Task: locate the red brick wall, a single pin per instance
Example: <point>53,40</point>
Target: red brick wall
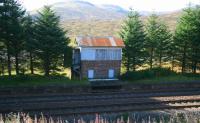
<point>100,68</point>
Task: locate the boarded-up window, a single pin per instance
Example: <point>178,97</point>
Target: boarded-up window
<point>108,54</point>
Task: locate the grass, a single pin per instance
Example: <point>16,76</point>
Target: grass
<point>147,76</point>
<point>159,76</point>
<point>136,117</point>
<point>38,80</point>
<point>167,79</point>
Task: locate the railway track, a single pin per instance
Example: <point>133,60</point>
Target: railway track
<point>89,103</point>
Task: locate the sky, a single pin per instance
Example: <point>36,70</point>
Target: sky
<point>139,5</point>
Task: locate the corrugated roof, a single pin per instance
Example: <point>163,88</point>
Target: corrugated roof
<point>99,42</point>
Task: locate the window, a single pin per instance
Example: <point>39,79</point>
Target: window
<point>108,54</point>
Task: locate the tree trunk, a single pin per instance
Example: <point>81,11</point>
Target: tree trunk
<point>2,68</point>
<point>160,59</point>
<point>195,62</point>
<point>194,70</point>
<point>134,65</point>
<point>128,64</point>
<point>151,58</point>
<point>172,63</point>
<point>9,61</point>
<point>16,63</point>
<point>31,63</point>
<point>47,70</point>
<point>1,71</point>
<point>184,59</point>
<point>46,66</point>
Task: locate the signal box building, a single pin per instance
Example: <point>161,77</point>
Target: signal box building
<point>97,58</point>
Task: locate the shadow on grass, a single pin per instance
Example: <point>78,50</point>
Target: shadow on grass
<point>37,80</point>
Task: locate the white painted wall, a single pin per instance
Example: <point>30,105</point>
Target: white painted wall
<point>95,53</point>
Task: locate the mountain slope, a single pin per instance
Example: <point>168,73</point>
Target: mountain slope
<point>76,9</point>
<point>111,27</point>
<point>84,18</point>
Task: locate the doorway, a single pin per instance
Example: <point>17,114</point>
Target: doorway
<point>111,73</point>
<point>90,74</point>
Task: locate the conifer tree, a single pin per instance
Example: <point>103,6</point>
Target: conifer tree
<point>195,40</point>
<point>50,40</point>
<point>158,41</point>
<point>2,58</point>
<point>29,40</point>
<point>172,53</point>
<point>151,38</point>
<point>5,33</point>
<point>132,33</point>
<point>188,40</point>
<point>17,40</point>
<point>12,30</point>
<point>1,41</point>
<point>163,45</point>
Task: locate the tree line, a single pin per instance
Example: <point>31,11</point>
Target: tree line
<point>153,44</point>
<point>28,43</point>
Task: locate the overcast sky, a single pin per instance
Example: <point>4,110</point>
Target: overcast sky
<point>139,5</point>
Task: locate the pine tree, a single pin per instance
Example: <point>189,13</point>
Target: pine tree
<point>4,35</point>
<point>133,35</point>
<point>17,40</point>
<point>158,41</point>
<point>1,41</point>
<point>163,45</point>
<point>11,26</point>
<point>2,58</point>
<point>172,53</point>
<point>151,38</point>
<point>188,40</point>
<point>29,40</point>
<point>195,39</point>
<point>50,40</point>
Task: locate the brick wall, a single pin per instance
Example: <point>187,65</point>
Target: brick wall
<point>100,68</point>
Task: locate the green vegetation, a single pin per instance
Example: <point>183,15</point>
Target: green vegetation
<point>41,44</point>
<point>187,40</point>
<point>133,35</point>
<point>27,44</point>
<point>158,41</point>
<point>158,75</point>
<point>11,36</point>
<point>38,80</point>
<point>50,41</point>
<point>180,50</point>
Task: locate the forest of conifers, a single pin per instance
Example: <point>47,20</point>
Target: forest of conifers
<point>29,44</point>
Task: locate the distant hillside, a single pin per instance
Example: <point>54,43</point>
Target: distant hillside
<point>110,27</point>
<point>84,18</point>
<point>81,10</point>
<point>171,19</point>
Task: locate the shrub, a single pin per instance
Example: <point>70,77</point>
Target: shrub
<point>146,74</point>
<point>191,75</point>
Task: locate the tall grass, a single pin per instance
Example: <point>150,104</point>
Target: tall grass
<point>177,117</point>
<point>158,75</point>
